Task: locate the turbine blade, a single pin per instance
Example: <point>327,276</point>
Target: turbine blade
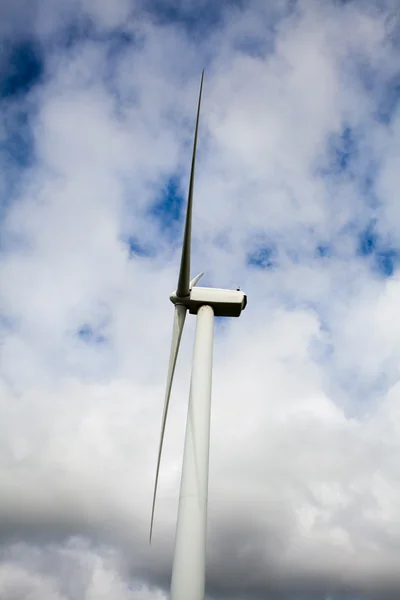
<point>195,280</point>
<point>182,289</point>
<point>179,321</point>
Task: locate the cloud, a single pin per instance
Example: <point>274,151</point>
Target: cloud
<point>73,570</point>
<point>295,200</point>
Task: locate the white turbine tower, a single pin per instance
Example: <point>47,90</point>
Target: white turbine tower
<point>188,571</point>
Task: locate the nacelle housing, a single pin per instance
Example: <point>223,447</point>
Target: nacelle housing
<point>225,303</point>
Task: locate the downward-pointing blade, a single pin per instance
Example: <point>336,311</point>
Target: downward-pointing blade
<point>179,321</point>
<point>182,289</point>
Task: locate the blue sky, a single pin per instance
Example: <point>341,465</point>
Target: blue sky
<point>295,201</point>
<point>24,69</point>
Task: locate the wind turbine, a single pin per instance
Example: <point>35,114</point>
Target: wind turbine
<point>188,571</point>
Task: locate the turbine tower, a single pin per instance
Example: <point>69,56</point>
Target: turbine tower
<point>188,571</point>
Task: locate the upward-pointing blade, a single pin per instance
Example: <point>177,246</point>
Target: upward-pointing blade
<point>179,321</point>
<point>182,289</point>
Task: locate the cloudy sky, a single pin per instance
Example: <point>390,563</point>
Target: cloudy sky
<point>296,201</point>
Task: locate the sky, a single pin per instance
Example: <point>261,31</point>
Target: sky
<point>296,201</point>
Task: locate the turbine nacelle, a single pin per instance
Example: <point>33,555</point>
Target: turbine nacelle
<point>225,303</point>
